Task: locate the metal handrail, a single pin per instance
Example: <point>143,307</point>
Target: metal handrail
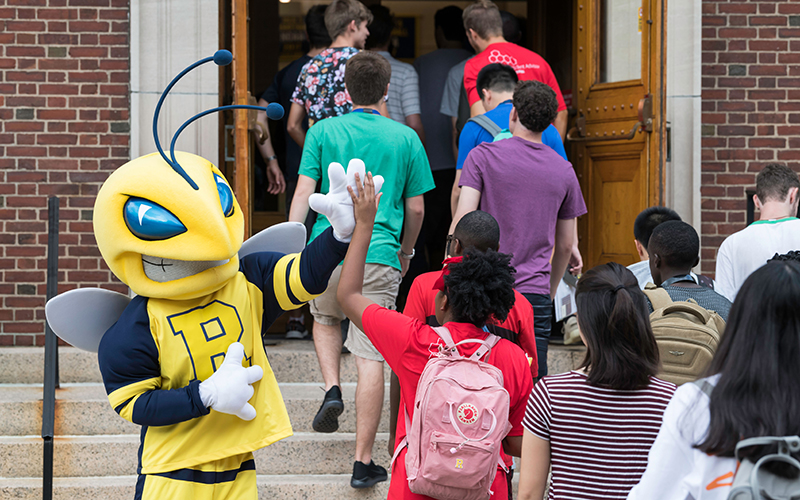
<point>51,382</point>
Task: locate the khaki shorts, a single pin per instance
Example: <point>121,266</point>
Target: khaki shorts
<point>381,284</point>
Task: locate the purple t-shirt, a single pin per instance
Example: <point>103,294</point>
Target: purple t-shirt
<point>526,186</point>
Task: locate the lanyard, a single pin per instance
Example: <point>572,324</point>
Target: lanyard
<point>364,110</point>
<point>675,279</point>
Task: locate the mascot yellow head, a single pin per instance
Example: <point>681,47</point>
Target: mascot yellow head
<point>170,227</point>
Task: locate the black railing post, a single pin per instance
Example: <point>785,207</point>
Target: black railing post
<point>50,353</point>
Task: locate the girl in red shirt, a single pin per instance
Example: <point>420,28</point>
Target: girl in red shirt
<point>471,292</point>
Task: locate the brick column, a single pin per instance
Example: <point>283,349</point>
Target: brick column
<point>751,107</point>
<point>64,126</point>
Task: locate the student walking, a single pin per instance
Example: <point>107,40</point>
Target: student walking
<point>471,291</point>
<point>753,392</point>
<point>394,151</point>
<point>595,425</point>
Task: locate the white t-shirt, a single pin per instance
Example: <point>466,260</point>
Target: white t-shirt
<point>745,251</point>
<point>675,469</point>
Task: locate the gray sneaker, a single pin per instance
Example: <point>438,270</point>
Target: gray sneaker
<point>295,330</point>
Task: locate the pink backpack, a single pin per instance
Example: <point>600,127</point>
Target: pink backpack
<point>460,420</point>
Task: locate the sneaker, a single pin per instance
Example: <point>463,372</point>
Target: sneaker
<point>367,475</point>
<point>295,329</point>
<point>327,419</point>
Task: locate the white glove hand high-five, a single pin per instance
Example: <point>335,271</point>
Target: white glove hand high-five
<point>229,389</point>
<point>337,205</point>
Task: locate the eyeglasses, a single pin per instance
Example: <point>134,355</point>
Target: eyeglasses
<point>449,239</point>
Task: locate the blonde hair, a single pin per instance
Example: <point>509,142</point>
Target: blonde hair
<point>339,14</point>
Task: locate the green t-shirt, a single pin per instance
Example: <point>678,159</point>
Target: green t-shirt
<point>387,148</point>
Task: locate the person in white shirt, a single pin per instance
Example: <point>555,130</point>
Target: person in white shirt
<point>776,231</point>
<point>643,226</point>
<point>403,98</point>
<point>753,392</point>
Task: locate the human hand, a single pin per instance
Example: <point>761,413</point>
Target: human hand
<point>337,205</point>
<point>575,261</point>
<point>275,181</point>
<point>404,264</point>
<point>365,202</point>
<point>230,388</point>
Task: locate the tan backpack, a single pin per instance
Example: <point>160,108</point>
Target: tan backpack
<point>686,333</point>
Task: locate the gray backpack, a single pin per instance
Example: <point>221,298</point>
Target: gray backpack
<point>752,480</point>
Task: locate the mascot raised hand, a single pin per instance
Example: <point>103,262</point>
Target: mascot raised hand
<point>184,358</point>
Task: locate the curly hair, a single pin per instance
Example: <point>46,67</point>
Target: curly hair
<point>480,286</point>
<point>536,105</point>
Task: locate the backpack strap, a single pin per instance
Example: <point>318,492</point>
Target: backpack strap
<point>659,298</point>
<point>486,345</point>
<point>704,386</point>
<point>487,124</point>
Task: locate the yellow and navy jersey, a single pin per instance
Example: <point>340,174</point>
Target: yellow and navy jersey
<point>155,356</point>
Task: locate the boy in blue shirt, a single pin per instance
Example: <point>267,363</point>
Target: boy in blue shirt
<point>495,83</point>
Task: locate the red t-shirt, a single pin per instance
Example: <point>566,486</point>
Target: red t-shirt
<point>518,326</point>
<point>407,344</point>
<point>529,66</point>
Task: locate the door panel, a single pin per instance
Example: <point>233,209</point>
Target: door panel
<point>617,187</point>
<point>617,137</point>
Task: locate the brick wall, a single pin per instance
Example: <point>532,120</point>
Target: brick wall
<point>751,106</point>
<point>64,125</point>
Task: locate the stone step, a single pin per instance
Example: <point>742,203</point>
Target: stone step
<point>83,409</point>
<point>292,361</point>
<point>82,456</point>
<point>285,487</point>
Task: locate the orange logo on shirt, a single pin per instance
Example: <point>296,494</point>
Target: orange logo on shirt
<point>718,482</point>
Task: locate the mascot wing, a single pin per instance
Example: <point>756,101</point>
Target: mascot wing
<point>82,316</point>
<point>286,237</point>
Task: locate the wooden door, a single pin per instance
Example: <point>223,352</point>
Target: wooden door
<point>618,138</point>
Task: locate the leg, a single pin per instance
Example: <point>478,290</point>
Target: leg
<point>369,403</point>
<point>542,320</point>
<point>394,410</point>
<point>328,344</point>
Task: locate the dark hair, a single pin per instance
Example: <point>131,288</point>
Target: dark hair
<point>757,393</point>
<point>677,243</point>
<point>478,229</point>
<point>366,76</point>
<point>480,286</point>
<point>511,30</point>
<point>449,18</point>
<point>791,255</point>
<point>340,13</point>
<point>315,27</point>
<point>621,351</point>
<point>774,182</point>
<point>380,29</point>
<point>483,17</point>
<point>536,105</point>
<point>497,78</point>
<point>648,219</point>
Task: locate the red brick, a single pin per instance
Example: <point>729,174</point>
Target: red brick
<point>25,76</point>
<point>776,70</point>
<point>789,32</point>
<point>735,130</point>
<point>57,14</point>
<point>767,20</point>
<point>768,45</point>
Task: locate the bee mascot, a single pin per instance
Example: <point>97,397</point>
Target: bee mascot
<point>184,358</point>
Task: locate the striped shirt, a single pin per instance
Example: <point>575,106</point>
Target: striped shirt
<point>403,90</point>
<point>599,438</point>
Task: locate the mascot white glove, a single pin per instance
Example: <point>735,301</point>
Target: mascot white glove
<point>229,389</point>
<point>337,205</point>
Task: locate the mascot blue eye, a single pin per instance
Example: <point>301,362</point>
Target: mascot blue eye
<point>225,195</point>
<point>150,221</point>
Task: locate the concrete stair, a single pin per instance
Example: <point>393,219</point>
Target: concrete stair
<point>96,451</point>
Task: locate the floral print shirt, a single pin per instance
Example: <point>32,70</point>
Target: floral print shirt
<point>320,86</point>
